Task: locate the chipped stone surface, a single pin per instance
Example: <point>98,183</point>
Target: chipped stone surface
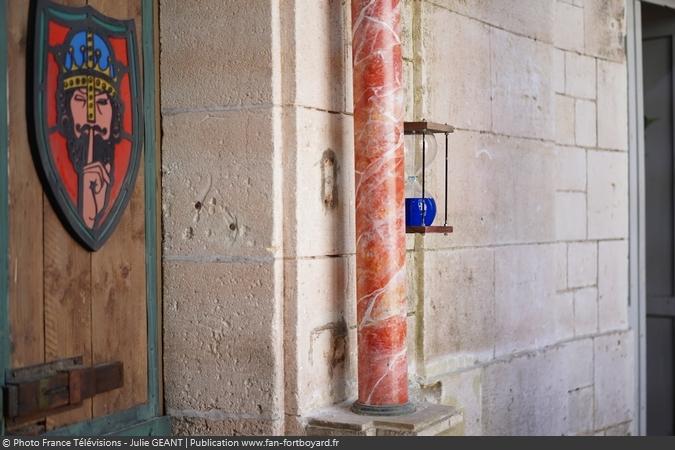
<point>222,367</point>
<point>216,200</point>
<point>605,27</point>
<point>329,367</point>
<point>218,348</point>
<point>325,343</point>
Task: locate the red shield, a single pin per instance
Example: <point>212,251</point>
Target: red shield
<point>87,116</point>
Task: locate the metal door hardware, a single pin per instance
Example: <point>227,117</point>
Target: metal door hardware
<point>38,391</point>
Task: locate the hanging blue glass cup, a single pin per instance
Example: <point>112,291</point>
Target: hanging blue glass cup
<point>420,211</point>
<point>420,207</point>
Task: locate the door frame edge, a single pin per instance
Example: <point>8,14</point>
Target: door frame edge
<point>4,212</point>
<point>153,232</point>
<point>637,299</point>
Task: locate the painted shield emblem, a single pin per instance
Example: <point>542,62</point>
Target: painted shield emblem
<point>87,116</point>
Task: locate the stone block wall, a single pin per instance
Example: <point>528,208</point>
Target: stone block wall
<point>320,314</point>
<point>524,308</point>
<point>222,252</point>
<point>519,318</point>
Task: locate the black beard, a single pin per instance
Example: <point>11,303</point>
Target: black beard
<point>104,150</point>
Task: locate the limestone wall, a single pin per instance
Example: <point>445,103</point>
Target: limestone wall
<point>522,314</point>
<point>222,250</point>
<point>519,318</point>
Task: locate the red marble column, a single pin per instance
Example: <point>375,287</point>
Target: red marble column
<point>380,228</point>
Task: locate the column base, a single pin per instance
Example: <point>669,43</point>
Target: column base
<point>383,410</point>
<point>427,420</point>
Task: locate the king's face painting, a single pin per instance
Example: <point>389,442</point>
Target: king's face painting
<point>87,116</point>
<point>86,120</point>
<point>103,113</point>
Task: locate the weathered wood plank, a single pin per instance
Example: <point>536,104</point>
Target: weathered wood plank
<point>25,207</point>
<point>67,285</point>
<point>119,320</point>
<point>119,313</point>
<point>67,294</point>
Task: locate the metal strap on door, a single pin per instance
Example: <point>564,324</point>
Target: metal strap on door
<point>37,391</point>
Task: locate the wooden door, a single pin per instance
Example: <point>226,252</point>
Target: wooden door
<point>61,300</point>
<point>659,88</point>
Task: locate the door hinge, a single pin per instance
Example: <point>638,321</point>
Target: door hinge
<point>38,391</point>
